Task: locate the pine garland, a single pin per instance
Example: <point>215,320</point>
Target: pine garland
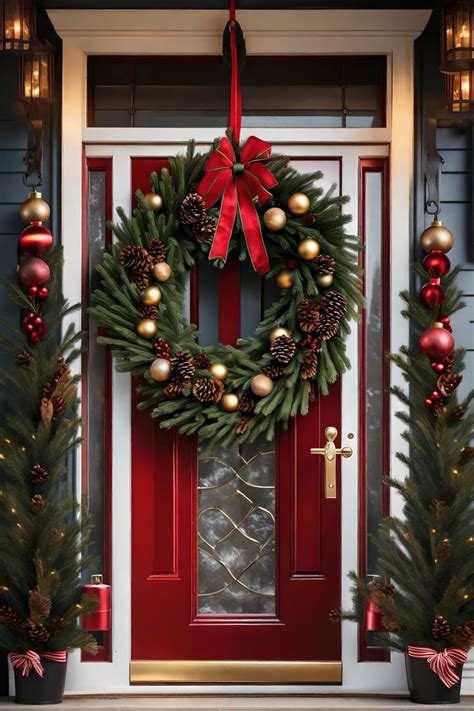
<point>180,226</point>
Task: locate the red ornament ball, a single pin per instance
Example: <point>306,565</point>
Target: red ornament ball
<point>35,239</point>
<point>435,395</point>
<point>432,295</point>
<point>436,264</point>
<point>43,292</point>
<point>438,367</point>
<point>428,402</point>
<point>34,272</point>
<point>436,342</point>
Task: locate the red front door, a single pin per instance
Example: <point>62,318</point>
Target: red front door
<point>236,554</point>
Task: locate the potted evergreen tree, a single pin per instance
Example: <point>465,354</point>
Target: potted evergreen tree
<point>43,532</point>
<point>425,609</point>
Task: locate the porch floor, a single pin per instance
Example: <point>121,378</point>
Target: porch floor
<point>236,703</point>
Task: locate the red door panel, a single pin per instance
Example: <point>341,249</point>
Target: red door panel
<point>165,620</point>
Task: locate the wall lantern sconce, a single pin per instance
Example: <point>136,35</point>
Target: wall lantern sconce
<point>17,25</point>
<point>36,92</point>
<point>459,89</point>
<point>457,36</point>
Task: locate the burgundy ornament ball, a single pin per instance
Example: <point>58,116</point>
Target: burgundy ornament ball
<point>432,295</point>
<point>436,342</point>
<point>436,264</point>
<point>34,272</point>
<point>35,239</point>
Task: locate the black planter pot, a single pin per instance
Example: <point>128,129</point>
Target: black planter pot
<point>426,687</point>
<point>48,689</point>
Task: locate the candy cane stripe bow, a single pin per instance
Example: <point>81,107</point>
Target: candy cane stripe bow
<point>441,663</point>
<point>32,660</point>
<point>240,183</point>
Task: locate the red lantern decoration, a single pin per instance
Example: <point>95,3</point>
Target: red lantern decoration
<point>34,272</point>
<point>432,295</point>
<point>100,620</point>
<point>35,239</point>
<point>436,342</point>
<point>436,264</point>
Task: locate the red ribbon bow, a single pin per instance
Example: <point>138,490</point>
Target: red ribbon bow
<point>441,663</point>
<point>32,660</point>
<point>240,183</point>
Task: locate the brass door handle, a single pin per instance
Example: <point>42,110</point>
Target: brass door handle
<point>330,452</point>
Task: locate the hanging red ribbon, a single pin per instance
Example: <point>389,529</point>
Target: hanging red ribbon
<point>32,660</point>
<point>441,663</point>
<point>239,183</point>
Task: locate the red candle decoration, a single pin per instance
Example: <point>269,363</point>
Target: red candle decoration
<point>436,264</point>
<point>100,620</point>
<point>436,342</point>
<point>35,239</point>
<point>373,617</point>
<point>34,272</point>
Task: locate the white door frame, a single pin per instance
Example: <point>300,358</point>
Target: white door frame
<point>389,32</point>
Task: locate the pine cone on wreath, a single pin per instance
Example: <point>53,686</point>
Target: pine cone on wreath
<point>157,250</point>
<point>324,264</point>
<point>247,404</point>
<point>24,359</point>
<point>309,366</point>
<point>464,635</point>
<point>335,615</point>
<point>447,384</point>
<point>175,388</point>
<point>307,314</point>
<point>137,263</point>
<point>39,474</point>
<point>37,633</point>
<point>148,311</point>
<point>204,389</point>
<point>202,361</point>
<point>182,366</point>
<point>273,371</point>
<point>437,407</point>
<point>310,219</point>
<point>57,623</point>
<point>204,229</point>
<point>40,606</point>
<point>457,414</point>
<point>192,209</point>
<point>161,348</point>
<point>440,628</point>
<point>331,309</point>
<point>243,425</point>
<point>283,349</point>
<point>9,617</point>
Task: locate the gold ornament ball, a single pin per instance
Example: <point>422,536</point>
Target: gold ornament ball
<point>230,402</point>
<point>436,237</point>
<point>161,271</point>
<point>277,332</point>
<point>154,201</point>
<point>160,369</point>
<point>146,328</point>
<point>219,371</point>
<point>274,219</point>
<point>34,208</point>
<point>285,279</point>
<point>261,385</point>
<point>324,280</point>
<point>308,248</point>
<point>150,296</point>
<point>298,203</point>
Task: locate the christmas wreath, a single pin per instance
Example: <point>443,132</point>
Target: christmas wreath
<point>244,201</point>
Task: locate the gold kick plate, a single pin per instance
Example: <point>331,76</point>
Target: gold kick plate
<point>145,672</point>
<point>330,452</point>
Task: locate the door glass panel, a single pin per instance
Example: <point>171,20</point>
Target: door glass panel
<point>236,529</point>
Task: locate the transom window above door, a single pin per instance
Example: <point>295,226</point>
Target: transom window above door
<point>291,91</point>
